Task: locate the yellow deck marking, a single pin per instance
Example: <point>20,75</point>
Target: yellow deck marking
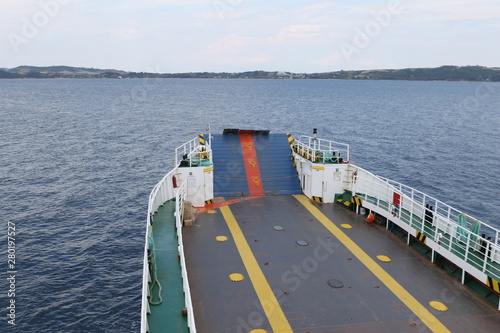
<point>418,309</point>
<point>384,258</point>
<point>236,277</point>
<point>270,304</point>
<point>221,238</point>
<point>438,306</point>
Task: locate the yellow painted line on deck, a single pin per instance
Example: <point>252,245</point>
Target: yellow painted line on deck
<point>268,300</point>
<point>418,309</point>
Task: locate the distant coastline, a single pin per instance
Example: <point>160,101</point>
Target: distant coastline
<point>443,73</point>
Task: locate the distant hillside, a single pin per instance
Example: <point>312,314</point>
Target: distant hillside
<point>53,69</point>
<point>4,74</point>
<point>443,73</point>
<point>63,72</point>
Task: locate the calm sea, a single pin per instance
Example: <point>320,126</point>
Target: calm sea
<point>78,159</point>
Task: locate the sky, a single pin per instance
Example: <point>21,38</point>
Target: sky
<point>301,36</point>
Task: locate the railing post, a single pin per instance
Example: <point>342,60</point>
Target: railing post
<point>453,229</point>
<point>467,246</point>
<point>486,256</point>
<point>436,235</point>
<point>412,207</point>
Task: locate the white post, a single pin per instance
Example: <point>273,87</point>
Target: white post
<point>411,206</point>
<point>453,231</point>
<point>486,255</point>
<point>467,247</point>
<point>209,135</point>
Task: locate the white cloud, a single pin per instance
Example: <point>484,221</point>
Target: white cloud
<point>234,48</point>
<point>330,60</point>
<point>297,31</point>
<point>230,44</point>
<point>128,33</point>
<point>426,10</point>
<point>302,28</point>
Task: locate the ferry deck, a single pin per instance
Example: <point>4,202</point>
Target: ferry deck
<point>261,256</point>
<point>333,284</point>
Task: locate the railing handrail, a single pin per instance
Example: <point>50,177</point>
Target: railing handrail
<point>153,205</point>
<point>145,281</point>
<point>382,189</point>
<point>424,195</point>
<point>181,195</point>
<point>191,147</point>
<point>162,192</point>
<point>313,145</point>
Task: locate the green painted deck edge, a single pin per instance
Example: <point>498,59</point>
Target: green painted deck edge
<point>167,317</point>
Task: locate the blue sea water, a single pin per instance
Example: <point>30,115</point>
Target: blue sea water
<point>78,159</point>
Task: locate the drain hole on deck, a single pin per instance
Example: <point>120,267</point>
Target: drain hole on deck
<point>335,283</point>
<point>278,228</point>
<point>302,243</point>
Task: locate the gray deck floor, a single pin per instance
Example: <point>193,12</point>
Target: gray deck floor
<point>299,275</point>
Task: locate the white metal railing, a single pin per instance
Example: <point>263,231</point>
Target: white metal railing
<point>162,192</point>
<point>193,150</point>
<point>437,220</point>
<point>179,200</point>
<point>321,151</point>
<point>145,286</point>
